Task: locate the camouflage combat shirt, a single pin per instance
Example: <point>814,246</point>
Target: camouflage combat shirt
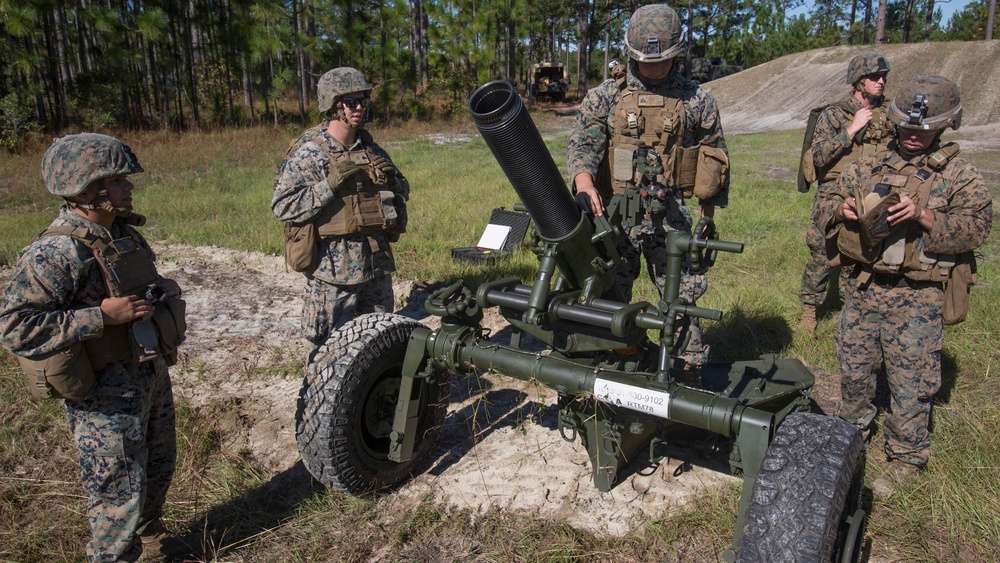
<point>830,140</point>
<point>959,199</point>
<point>302,191</point>
<point>54,300</point>
<point>593,131</point>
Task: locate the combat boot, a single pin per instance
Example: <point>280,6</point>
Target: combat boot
<point>897,472</point>
<point>807,322</point>
<point>159,543</point>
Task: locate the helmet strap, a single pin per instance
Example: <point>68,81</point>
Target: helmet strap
<point>101,202</point>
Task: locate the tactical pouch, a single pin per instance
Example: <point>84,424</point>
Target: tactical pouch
<point>712,167</point>
<point>686,170</point>
<point>849,244</point>
<point>394,205</point>
<point>301,246</point>
<point>369,216</point>
<point>957,290</point>
<point>807,171</point>
<point>115,345</point>
<point>170,324</point>
<point>63,374</point>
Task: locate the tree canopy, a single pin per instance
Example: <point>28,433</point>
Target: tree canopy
<point>216,63</point>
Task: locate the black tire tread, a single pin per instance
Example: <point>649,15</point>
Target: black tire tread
<point>812,467</point>
<point>333,391</point>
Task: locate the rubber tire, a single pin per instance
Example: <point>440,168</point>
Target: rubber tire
<point>811,480</point>
<point>344,443</point>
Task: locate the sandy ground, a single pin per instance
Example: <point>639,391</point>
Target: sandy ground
<point>499,448</point>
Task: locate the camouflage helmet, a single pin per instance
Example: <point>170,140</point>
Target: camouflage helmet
<point>73,162</point>
<point>339,82</point>
<point>927,102</point>
<point>864,64</point>
<point>654,34</point>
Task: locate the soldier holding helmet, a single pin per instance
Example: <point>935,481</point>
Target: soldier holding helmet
<point>648,107</point>
<point>903,222</point>
<point>92,322</point>
<point>336,179</point>
<point>844,132</point>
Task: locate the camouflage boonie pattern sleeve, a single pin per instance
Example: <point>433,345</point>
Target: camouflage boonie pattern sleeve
<point>302,189</point>
<point>830,140</point>
<point>54,297</point>
<point>593,130</point>
<point>588,143</point>
<point>963,210</point>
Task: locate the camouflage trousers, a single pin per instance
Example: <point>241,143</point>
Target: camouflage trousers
<point>649,241</point>
<point>329,306</point>
<point>816,276</point>
<point>128,451</point>
<point>901,328</point>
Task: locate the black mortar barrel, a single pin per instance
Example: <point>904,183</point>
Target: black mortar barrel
<point>508,130</point>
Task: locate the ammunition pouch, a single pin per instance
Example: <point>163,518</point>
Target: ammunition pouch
<point>301,246</point>
<point>711,165</point>
<point>63,374</point>
<point>366,213</point>
<point>958,289</point>
<point>115,345</point>
<point>850,245</point>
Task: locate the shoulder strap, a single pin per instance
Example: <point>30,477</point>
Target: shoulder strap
<point>941,157</point>
<point>82,234</point>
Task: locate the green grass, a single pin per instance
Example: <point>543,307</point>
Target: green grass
<point>215,188</point>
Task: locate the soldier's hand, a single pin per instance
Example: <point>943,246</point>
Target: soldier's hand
<point>848,210</point>
<point>908,209</point>
<point>382,172</point>
<point>120,310</point>
<point>585,185</point>
<point>341,170</point>
<point>861,118</point>
<point>384,164</point>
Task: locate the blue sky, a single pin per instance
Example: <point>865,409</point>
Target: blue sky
<point>947,7</point>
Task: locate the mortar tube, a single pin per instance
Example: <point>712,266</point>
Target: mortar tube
<point>508,130</point>
<point>694,407</point>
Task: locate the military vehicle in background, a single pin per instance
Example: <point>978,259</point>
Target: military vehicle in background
<point>705,69</point>
<point>548,81</point>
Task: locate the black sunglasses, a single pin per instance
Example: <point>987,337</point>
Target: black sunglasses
<point>355,101</point>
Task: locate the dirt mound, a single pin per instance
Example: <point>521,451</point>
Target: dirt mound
<point>779,94</point>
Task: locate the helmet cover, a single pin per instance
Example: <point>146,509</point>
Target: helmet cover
<point>865,64</point>
<point>73,162</point>
<point>340,82</point>
<point>654,34</point>
<point>927,102</point>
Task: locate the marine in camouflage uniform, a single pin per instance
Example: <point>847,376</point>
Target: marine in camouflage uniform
<point>893,300</point>
<point>844,131</point>
<point>594,133</point>
<point>124,430</point>
<point>353,274</point>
